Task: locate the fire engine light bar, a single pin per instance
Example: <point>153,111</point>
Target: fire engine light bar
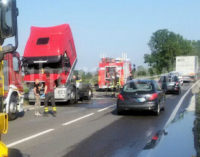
<point>40,61</point>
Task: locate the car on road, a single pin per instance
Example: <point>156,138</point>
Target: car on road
<point>141,95</point>
<point>179,75</point>
<point>170,84</point>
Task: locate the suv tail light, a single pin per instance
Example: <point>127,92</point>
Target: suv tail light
<point>155,138</point>
<point>153,96</point>
<point>120,97</point>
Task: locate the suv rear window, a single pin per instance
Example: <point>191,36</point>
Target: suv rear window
<point>173,79</point>
<point>163,79</point>
<point>138,86</point>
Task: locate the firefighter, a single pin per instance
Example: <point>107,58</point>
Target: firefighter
<point>118,83</point>
<point>49,95</point>
<point>130,77</point>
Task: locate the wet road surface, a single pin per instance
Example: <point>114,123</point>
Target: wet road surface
<point>89,129</point>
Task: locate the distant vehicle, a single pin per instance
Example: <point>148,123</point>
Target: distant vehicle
<point>113,73</point>
<point>52,50</point>
<point>188,67</point>
<point>141,95</point>
<point>170,83</point>
<point>179,75</point>
<point>84,90</point>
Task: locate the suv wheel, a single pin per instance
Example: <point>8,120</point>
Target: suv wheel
<point>119,111</point>
<point>178,92</point>
<point>157,111</point>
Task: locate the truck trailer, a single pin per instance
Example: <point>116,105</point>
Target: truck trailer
<point>52,50</point>
<point>113,73</point>
<point>188,67</point>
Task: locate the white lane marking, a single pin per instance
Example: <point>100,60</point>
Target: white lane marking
<point>30,137</point>
<point>172,116</point>
<point>75,120</point>
<point>105,108</point>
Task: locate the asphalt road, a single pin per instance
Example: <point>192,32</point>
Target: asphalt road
<point>90,129</point>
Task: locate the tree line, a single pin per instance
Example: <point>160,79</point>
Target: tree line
<point>165,45</point>
<point>87,77</point>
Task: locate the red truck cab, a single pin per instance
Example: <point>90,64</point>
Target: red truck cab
<point>49,48</point>
<point>52,50</point>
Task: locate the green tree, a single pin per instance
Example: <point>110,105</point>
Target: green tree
<point>87,77</point>
<point>165,46</point>
<point>196,48</point>
<point>141,71</point>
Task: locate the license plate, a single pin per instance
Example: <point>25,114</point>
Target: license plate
<point>141,99</point>
<point>171,84</point>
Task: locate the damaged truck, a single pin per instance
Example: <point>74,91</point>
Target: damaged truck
<point>52,50</point>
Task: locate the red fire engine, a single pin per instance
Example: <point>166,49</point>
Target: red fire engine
<point>12,84</point>
<point>113,73</point>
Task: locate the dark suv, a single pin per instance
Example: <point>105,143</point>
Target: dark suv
<point>170,83</point>
<point>141,95</point>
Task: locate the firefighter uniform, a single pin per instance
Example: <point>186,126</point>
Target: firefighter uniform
<point>49,95</point>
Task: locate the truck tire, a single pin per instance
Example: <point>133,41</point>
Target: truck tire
<point>89,96</point>
<point>12,110</point>
<point>73,96</point>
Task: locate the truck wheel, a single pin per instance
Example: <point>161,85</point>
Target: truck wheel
<point>12,110</point>
<point>73,96</point>
<point>89,95</point>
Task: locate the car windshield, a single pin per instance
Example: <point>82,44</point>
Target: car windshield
<point>138,86</point>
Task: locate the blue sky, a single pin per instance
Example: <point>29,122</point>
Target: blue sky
<point>110,27</point>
